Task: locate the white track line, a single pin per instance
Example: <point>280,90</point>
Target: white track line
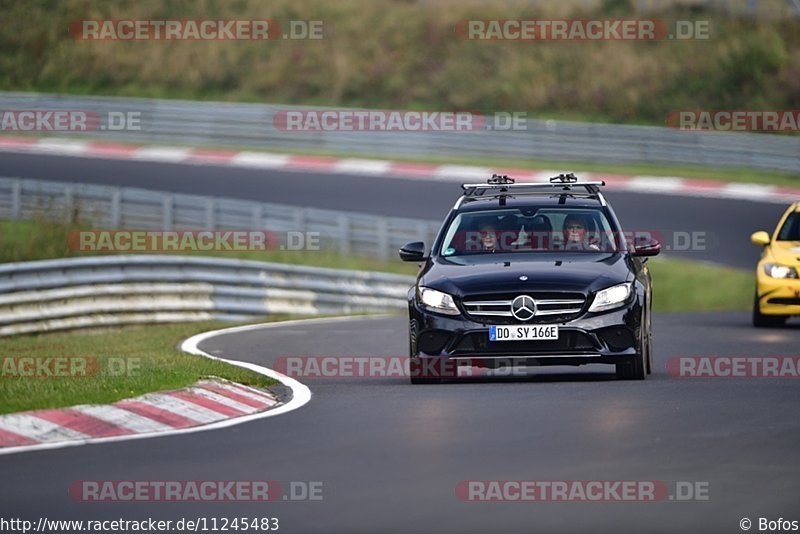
<point>165,154</point>
<point>653,185</point>
<point>301,395</point>
<point>261,160</point>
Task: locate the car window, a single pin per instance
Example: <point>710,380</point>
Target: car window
<point>527,230</point>
<point>790,231</point>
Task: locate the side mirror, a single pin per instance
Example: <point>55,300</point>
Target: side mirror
<point>651,247</point>
<point>413,251</point>
<point>760,238</point>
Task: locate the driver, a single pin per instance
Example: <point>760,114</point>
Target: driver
<point>576,236</point>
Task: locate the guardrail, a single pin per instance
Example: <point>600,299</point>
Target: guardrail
<point>141,209</point>
<point>113,290</point>
<point>251,125</point>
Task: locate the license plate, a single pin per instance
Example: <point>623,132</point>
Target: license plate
<point>523,333</point>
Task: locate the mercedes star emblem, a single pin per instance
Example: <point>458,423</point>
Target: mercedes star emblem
<point>523,308</point>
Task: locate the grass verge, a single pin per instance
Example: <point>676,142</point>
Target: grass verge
<point>683,286</point>
<point>120,363</point>
<point>679,285</point>
<point>155,362</point>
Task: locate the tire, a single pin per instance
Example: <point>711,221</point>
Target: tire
<point>765,321</point>
<point>636,369</point>
<point>416,364</point>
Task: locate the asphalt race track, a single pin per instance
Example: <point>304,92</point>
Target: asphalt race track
<point>389,455</point>
<point>725,224</point>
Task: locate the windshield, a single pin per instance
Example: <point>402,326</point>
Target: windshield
<point>528,230</point>
<point>790,231</point>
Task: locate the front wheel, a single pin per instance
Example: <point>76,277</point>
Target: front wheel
<point>637,368</point>
<point>634,370</point>
<point>418,372</point>
<point>765,321</point>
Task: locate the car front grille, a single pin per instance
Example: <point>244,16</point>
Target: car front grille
<point>550,307</point>
<point>787,301</point>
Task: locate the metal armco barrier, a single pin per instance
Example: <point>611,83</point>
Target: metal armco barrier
<point>251,125</point>
<point>130,208</point>
<point>72,293</point>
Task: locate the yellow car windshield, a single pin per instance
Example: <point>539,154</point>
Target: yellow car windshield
<point>790,231</point>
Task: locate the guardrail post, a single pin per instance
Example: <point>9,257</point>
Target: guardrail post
<point>299,219</point>
<point>69,204</point>
<point>166,212</point>
<point>344,234</point>
<point>16,199</point>
<point>256,217</point>
<point>422,231</point>
<point>383,239</point>
<point>116,208</point>
<point>210,215</point>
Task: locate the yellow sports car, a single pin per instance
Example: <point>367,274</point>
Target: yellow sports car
<point>777,282</point>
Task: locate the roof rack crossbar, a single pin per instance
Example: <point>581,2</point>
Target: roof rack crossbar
<point>501,185</point>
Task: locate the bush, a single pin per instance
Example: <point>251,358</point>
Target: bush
<point>405,54</point>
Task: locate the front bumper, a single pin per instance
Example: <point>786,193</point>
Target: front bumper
<point>778,296</point>
<point>609,337</point>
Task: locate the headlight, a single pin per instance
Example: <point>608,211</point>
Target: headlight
<point>611,297</point>
<point>775,270</point>
<point>437,301</point>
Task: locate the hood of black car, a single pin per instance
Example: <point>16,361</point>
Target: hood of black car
<point>485,274</point>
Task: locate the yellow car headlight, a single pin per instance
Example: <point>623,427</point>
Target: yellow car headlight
<point>776,270</point>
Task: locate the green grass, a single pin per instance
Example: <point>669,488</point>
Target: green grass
<point>682,286</point>
<point>678,286</point>
<point>150,354</point>
<point>406,55</point>
<point>40,240</point>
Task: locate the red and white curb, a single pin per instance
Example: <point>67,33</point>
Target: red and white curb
<point>207,405</point>
<point>386,168</point>
<point>208,401</point>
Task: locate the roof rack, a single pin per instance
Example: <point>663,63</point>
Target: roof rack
<point>502,185</point>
